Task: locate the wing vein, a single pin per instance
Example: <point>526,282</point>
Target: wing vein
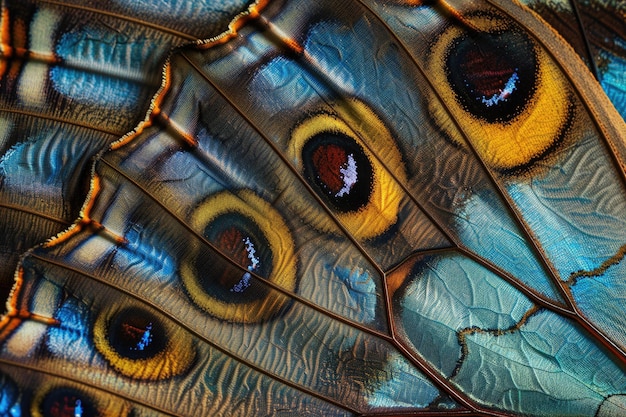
<point>122,17</point>
<point>25,366</point>
<point>187,328</point>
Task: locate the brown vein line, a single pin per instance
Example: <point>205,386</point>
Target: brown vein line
<point>497,271</point>
<point>583,33</point>
<point>265,281</point>
<point>580,318</point>
<point>122,17</point>
<point>424,413</point>
<point>182,324</point>
<point>510,207</point>
<point>289,165</point>
<point>613,260</point>
<point>534,296</point>
<point>468,331</point>
<point>525,289</point>
<point>584,98</point>
<point>89,384</point>
<point>61,120</point>
<point>446,385</point>
<point>425,252</point>
<point>35,213</point>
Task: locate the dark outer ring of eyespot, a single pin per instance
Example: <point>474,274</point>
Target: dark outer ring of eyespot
<point>475,75</point>
<point>270,224</point>
<point>175,353</point>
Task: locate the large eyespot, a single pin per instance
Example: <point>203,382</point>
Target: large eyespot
<point>256,241</point>
<point>509,96</point>
<point>140,345</point>
<point>353,180</point>
<point>67,401</point>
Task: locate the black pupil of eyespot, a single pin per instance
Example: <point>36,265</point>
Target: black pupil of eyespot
<point>493,75</point>
<point>339,170</point>
<point>242,242</point>
<point>136,334</point>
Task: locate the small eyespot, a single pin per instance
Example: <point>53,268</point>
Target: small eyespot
<point>141,345</point>
<point>68,401</point>
<point>251,240</point>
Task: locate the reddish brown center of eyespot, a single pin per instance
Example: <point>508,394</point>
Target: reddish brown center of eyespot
<point>231,241</point>
<point>328,161</point>
<point>136,334</point>
<point>486,71</point>
<point>132,333</point>
<point>63,407</point>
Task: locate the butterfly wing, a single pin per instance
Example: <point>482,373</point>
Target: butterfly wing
<point>74,77</point>
<point>597,32</point>
<point>300,228</point>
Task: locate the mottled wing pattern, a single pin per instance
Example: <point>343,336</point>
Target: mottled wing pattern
<point>74,77</point>
<point>355,208</point>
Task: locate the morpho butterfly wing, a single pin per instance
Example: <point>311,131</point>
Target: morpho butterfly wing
<point>373,208</point>
<point>74,77</point>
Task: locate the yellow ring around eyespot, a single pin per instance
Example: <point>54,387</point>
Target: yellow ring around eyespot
<point>105,409</point>
<point>173,360</point>
<point>278,236</point>
<point>513,143</point>
<point>356,120</point>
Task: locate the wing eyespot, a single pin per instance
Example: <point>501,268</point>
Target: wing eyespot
<point>256,241</point>
<point>511,98</point>
<point>62,400</point>
<point>139,344</point>
<point>359,183</point>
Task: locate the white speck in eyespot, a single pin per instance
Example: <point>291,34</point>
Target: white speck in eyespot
<point>78,409</point>
<point>348,176</point>
<point>244,282</point>
<point>504,94</point>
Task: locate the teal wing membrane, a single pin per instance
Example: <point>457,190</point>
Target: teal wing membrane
<point>365,208</point>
